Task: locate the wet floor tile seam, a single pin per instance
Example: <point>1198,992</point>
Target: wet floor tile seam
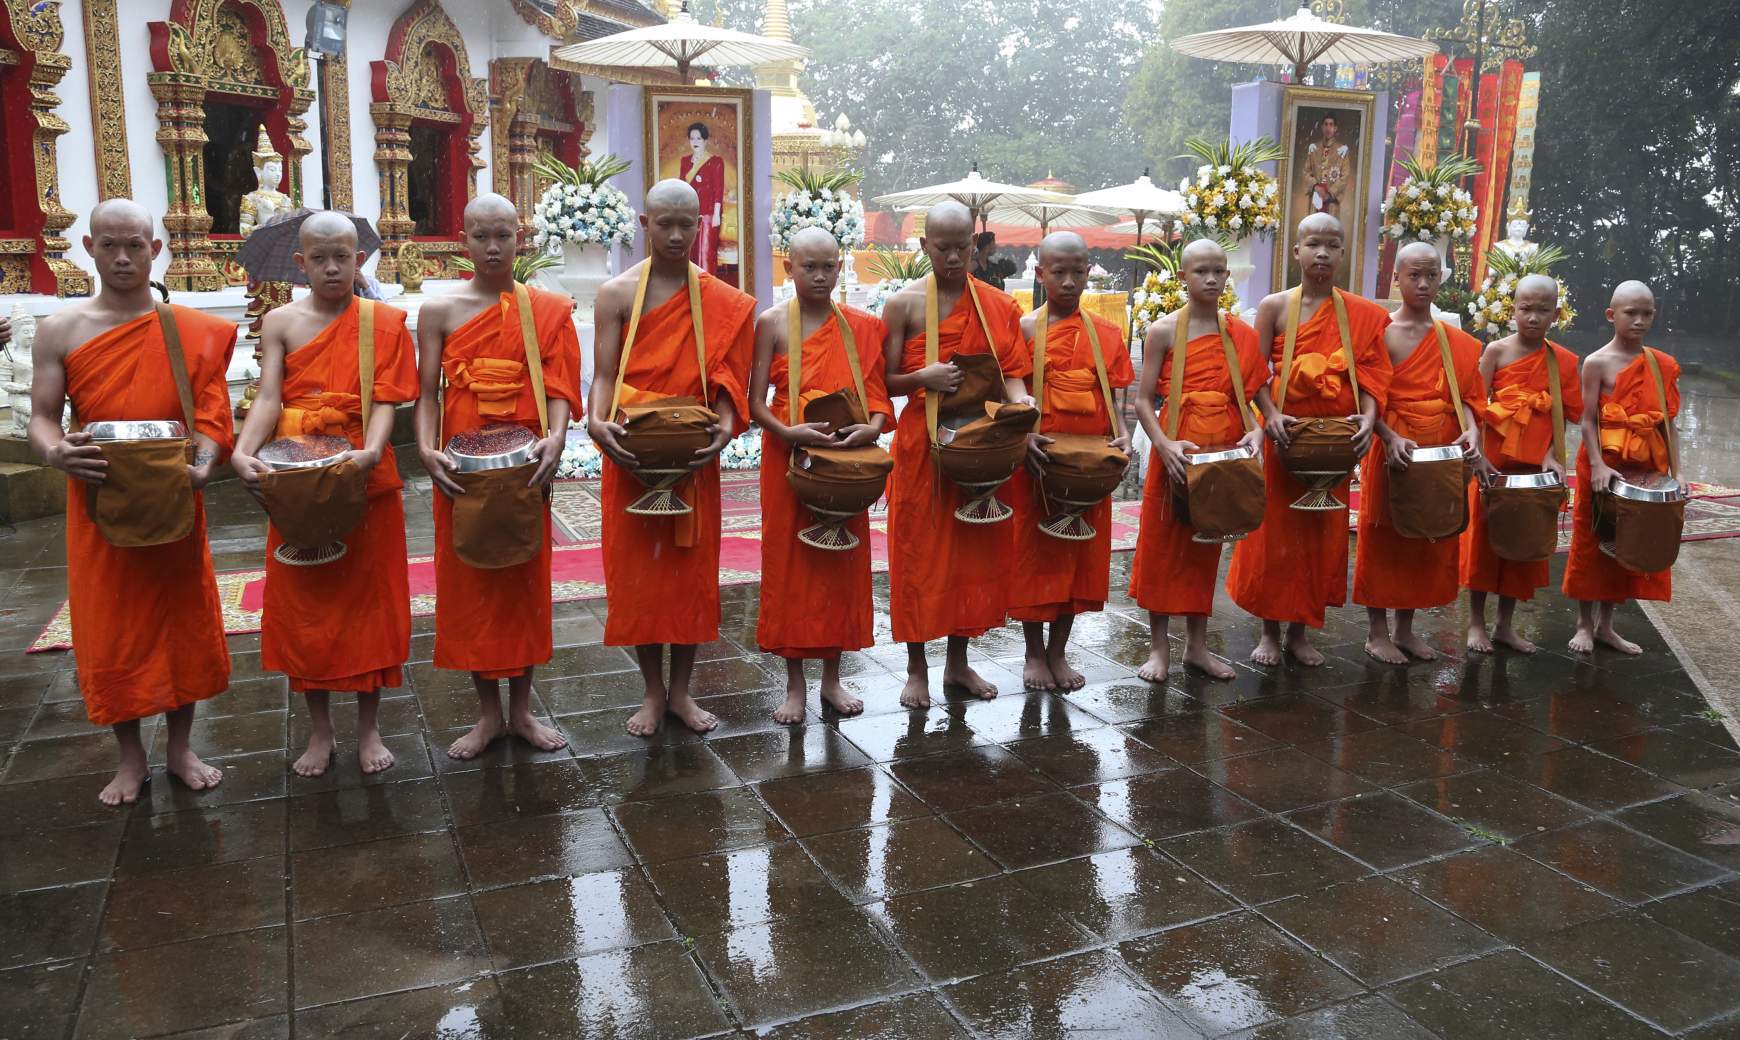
<point>1591,991</point>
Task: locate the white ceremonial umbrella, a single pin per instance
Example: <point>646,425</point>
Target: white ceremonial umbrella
<point>974,192</point>
<point>679,43</point>
<point>1303,40</point>
<point>1049,215</point>
<point>1142,199</point>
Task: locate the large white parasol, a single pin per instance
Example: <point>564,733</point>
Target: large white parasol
<point>1303,40</point>
<point>1047,216</point>
<point>1145,202</point>
<point>679,43</point>
<point>974,192</point>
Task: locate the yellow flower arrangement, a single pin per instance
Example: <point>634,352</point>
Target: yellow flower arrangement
<point>1229,195</point>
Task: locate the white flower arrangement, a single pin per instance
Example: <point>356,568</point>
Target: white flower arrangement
<point>1428,204</point>
<point>817,200</point>
<point>1229,193</point>
<point>580,207</point>
<point>1492,312</point>
<point>743,451</point>
<point>882,293</point>
<point>580,461</point>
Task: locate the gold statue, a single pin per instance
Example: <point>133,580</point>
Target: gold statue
<point>264,203</point>
<point>410,257</point>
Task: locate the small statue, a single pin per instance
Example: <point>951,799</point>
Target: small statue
<point>1031,270</point>
<point>16,367</point>
<point>849,272</point>
<point>410,257</point>
<point>1516,244</point>
<point>265,202</point>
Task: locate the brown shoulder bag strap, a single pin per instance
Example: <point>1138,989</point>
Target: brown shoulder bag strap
<point>1670,432</point>
<point>365,360</point>
<point>1449,363</point>
<point>177,361</point>
<point>534,358</point>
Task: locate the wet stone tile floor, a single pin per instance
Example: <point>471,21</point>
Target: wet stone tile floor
<point>1497,847</point>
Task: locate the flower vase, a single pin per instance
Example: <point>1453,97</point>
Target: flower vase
<point>1241,264</point>
<point>1445,246</point>
<point>585,267</point>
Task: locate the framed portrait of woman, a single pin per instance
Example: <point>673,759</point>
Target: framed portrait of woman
<point>1327,137</point>
<point>702,135</point>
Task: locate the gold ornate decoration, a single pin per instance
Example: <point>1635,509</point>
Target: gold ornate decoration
<point>1330,10</point>
<point>239,48</point>
<point>108,107</point>
<point>1490,41</point>
<point>408,259</point>
<point>556,22</point>
<point>544,111</point>
<point>36,27</point>
<point>414,83</point>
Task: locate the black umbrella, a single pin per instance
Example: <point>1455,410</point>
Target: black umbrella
<point>269,253</point>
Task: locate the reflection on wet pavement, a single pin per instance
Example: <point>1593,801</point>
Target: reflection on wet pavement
<point>1513,846</point>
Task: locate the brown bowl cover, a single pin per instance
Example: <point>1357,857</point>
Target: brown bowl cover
<point>1223,499</point>
<point>1645,536</point>
<point>1321,446</point>
<point>1522,524</point>
<point>839,410</point>
<point>839,480</point>
<point>1429,499</point>
<point>989,449</point>
<point>1082,467</point>
<point>981,384</point>
<point>666,434</point>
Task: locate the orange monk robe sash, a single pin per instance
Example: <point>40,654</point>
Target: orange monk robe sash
<point>660,589</point>
<point>345,625</point>
<point>1517,433</point>
<point>497,622</point>
<point>1295,564</point>
<point>816,603</point>
<point>1391,572</point>
<point>1171,573</point>
<point>1056,576</point>
<point>946,577</point>
<point>1626,444</point>
<point>147,621</point>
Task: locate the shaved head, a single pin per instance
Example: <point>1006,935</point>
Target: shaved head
<point>1061,244</point>
<point>1419,252</point>
<point>1626,292</point>
<point>1201,249</point>
<point>121,216</point>
<point>948,216</point>
<point>812,262</point>
<point>811,241</point>
<point>1537,285</point>
<point>672,194</point>
<point>324,225</point>
<point>1319,224</point>
<point>490,206</point>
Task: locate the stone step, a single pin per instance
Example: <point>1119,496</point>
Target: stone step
<point>29,491</point>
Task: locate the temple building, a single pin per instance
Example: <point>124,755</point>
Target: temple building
<point>799,142</point>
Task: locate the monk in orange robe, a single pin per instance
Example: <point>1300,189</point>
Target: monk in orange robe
<point>1295,565</point>
<point>661,573</point>
<point>1172,573</point>
<point>814,602</point>
<point>1629,422</point>
<point>1518,432</point>
<point>1391,572</point>
<point>493,623</point>
<point>146,620</point>
<point>1058,579</point>
<point>343,625</point>
<point>947,578</point>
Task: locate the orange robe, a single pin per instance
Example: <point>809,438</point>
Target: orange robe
<point>1389,571</point>
<point>1055,576</point>
<point>147,621</point>
<point>945,577</point>
<point>815,602</point>
<point>1172,574</point>
<point>1295,565</point>
<point>497,622</point>
<point>1518,421</point>
<point>661,573</point>
<point>1631,440</point>
<point>345,625</point>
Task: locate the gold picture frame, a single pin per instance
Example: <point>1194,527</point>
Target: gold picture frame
<point>1343,169</point>
<point>729,114</point>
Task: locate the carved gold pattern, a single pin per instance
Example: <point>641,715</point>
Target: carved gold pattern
<point>416,87</point>
<point>210,50</point>
<point>556,23</point>
<point>108,107</point>
<point>37,26</point>
<point>526,97</point>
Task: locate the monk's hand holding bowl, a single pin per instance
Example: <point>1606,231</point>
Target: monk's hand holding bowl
<point>1172,457</point>
<point>1036,457</point>
<point>1123,445</point>
<point>944,376</point>
<point>1362,433</point>
<point>1275,426</point>
<point>77,457</point>
<point>250,469</point>
<point>1252,441</point>
<point>607,436</point>
<point>1398,450</point>
<point>857,436</point>
<point>362,458</point>
<point>810,435</point>
<point>440,469</point>
<point>721,437</point>
<point>205,463</point>
<point>548,452</point>
<point>1600,475</point>
<point>1553,465</point>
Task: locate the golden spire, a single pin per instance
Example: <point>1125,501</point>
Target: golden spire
<point>776,24</point>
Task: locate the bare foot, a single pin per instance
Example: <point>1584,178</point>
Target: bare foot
<point>476,738</point>
<point>1035,675</point>
<point>792,708</point>
<point>648,720</point>
<point>693,715</point>
<point>837,698</point>
<point>372,755</point>
<point>1507,637</point>
<point>971,681</point>
<point>186,767</point>
<point>124,789</point>
<point>1156,669</point>
<point>1067,678</point>
<point>1381,648</point>
<point>1478,640</point>
<point>1208,664</point>
<point>1301,650</point>
<point>1415,647</point>
<point>317,759</point>
<point>529,729</point>
<point>1583,641</point>
<point>1268,651</point>
<point>916,692</point>
<point>1606,636</point>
